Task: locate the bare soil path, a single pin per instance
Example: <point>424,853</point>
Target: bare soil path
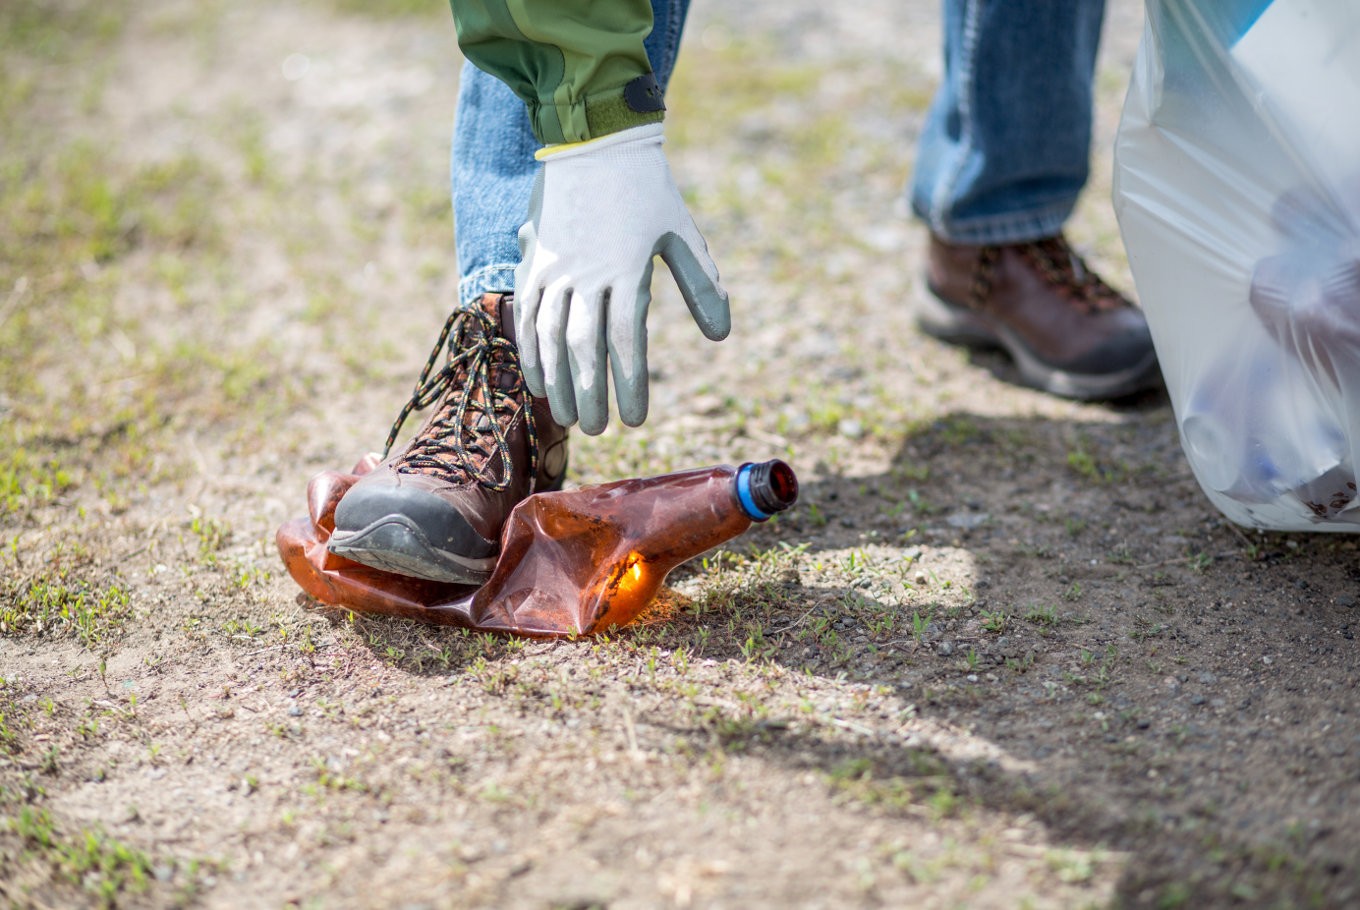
<point>1003,654</point>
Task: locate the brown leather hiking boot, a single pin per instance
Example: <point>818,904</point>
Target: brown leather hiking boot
<point>435,509</point>
<point>1069,333</point>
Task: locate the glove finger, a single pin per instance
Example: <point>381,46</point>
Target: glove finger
<point>587,354</point>
<point>627,328</point>
<point>696,274</point>
<point>551,327</point>
<point>528,298</point>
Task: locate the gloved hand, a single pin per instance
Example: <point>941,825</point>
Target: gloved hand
<point>600,211</point>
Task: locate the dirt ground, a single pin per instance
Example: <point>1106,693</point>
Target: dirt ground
<point>1003,653</point>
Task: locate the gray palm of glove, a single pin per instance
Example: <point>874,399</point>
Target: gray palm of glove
<point>599,214</point>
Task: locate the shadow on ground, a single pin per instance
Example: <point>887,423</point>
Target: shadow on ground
<point>1154,680</point>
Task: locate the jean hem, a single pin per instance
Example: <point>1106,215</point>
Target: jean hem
<point>491,279</point>
<point>1014,227</point>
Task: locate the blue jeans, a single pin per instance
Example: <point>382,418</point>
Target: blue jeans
<point>1002,157</point>
<point>1005,148</point>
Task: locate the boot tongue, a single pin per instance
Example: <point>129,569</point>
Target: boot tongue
<point>498,307</point>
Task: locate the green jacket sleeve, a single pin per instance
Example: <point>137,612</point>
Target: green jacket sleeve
<point>578,65</point>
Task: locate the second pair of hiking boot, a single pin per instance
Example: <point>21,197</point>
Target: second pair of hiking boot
<point>1068,332</point>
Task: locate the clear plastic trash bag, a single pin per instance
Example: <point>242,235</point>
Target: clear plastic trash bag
<point>1237,188</point>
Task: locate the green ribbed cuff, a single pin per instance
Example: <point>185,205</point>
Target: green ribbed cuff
<point>611,114</point>
<point>590,119</point>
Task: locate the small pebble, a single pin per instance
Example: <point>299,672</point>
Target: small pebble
<point>966,521</point>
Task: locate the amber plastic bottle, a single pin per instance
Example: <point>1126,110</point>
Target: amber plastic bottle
<point>572,562</point>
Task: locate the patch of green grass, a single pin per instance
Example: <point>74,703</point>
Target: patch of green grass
<point>329,779</point>
<point>60,604</point>
<point>79,206</point>
<point>1074,866</point>
<point>60,864</point>
<point>195,379</point>
<point>9,739</point>
<point>71,217</point>
<point>49,31</point>
<point>212,536</point>
<point>929,785</point>
<point>28,479</point>
<point>103,867</point>
<point>994,620</point>
<point>1042,615</point>
<point>832,411</point>
<point>956,431</point>
<point>1175,895</point>
<point>1083,460</point>
<point>919,625</point>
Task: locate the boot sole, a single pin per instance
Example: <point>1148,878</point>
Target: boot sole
<point>395,544</point>
<point>939,319</point>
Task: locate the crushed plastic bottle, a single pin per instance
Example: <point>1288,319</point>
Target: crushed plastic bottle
<point>572,562</point>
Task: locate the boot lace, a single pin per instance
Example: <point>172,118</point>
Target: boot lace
<point>1060,265</point>
<point>469,428</point>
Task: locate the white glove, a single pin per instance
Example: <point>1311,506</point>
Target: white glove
<point>600,211</point>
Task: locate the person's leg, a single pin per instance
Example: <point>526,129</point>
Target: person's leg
<point>435,509</point>
<point>1004,152</point>
<point>492,169</point>
<point>493,163</point>
<point>1000,163</point>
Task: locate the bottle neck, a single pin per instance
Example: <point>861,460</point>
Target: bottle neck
<point>765,489</point>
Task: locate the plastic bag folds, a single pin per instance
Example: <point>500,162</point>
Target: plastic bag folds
<point>1237,188</point>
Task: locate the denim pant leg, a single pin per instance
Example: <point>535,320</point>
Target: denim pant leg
<point>1005,148</point>
<point>493,163</point>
